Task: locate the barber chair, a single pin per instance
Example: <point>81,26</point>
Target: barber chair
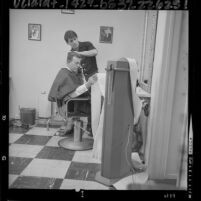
<point>77,142</point>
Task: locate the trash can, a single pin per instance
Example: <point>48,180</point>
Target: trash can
<point>27,116</point>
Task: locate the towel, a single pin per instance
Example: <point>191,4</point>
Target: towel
<point>134,76</point>
<point>97,91</point>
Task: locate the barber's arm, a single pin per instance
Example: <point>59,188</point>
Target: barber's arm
<point>89,53</point>
<point>83,88</point>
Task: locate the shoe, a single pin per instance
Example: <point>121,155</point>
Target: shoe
<point>63,131</point>
<point>69,131</point>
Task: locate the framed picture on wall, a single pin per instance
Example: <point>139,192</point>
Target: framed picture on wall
<point>34,32</point>
<point>106,34</point>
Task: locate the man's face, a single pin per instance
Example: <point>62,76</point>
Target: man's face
<point>74,65</point>
<point>73,42</point>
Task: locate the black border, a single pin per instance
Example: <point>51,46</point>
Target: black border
<point>101,4</point>
<point>194,82</point>
<point>194,77</point>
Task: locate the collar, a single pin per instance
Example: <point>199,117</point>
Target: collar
<point>71,70</point>
<point>68,68</point>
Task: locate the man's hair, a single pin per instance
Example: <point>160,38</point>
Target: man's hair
<point>71,55</point>
<point>69,35</point>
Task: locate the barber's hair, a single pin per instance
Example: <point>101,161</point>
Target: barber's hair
<point>71,55</point>
<point>69,35</point>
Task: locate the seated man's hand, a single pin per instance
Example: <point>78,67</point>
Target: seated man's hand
<point>91,80</point>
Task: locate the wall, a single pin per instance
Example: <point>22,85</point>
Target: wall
<point>34,64</point>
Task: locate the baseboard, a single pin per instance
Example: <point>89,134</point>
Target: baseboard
<point>165,181</point>
<point>42,122</point>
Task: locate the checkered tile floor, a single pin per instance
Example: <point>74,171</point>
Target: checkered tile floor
<point>37,162</point>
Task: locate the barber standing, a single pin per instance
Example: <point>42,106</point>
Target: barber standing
<point>86,50</point>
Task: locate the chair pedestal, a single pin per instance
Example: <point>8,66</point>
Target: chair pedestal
<point>76,143</point>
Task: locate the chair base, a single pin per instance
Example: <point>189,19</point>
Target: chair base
<point>68,143</point>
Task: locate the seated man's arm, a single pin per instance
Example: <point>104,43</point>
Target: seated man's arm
<point>80,90</point>
<point>83,88</point>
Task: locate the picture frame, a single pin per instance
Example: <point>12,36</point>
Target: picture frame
<point>106,34</point>
<point>67,11</point>
<point>34,32</point>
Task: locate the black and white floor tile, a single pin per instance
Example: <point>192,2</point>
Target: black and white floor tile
<point>37,162</point>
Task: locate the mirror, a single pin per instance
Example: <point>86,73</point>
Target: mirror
<point>148,47</point>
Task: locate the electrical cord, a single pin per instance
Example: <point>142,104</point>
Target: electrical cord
<point>132,170</point>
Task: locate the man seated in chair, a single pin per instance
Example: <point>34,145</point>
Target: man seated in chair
<point>70,83</point>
